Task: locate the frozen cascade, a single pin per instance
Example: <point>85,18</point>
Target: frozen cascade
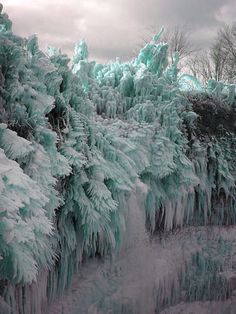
<point>74,138</point>
<point>146,275</point>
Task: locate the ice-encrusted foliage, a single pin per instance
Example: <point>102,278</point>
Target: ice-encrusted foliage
<point>24,241</point>
<point>74,139</point>
<point>187,178</point>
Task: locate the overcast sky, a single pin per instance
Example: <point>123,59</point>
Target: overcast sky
<point>114,28</point>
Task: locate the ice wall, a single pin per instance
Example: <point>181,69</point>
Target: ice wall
<point>79,136</point>
<point>150,274</point>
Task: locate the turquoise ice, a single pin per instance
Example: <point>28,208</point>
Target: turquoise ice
<point>75,138</point>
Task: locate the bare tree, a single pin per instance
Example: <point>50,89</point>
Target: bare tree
<point>226,39</point>
<point>200,65</point>
<point>178,39</point>
<point>218,62</point>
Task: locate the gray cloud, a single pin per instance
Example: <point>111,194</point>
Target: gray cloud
<point>115,27</point>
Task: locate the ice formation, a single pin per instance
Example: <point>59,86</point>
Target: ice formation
<point>75,140</point>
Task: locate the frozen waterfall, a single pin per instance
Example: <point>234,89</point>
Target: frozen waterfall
<point>147,274</point>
